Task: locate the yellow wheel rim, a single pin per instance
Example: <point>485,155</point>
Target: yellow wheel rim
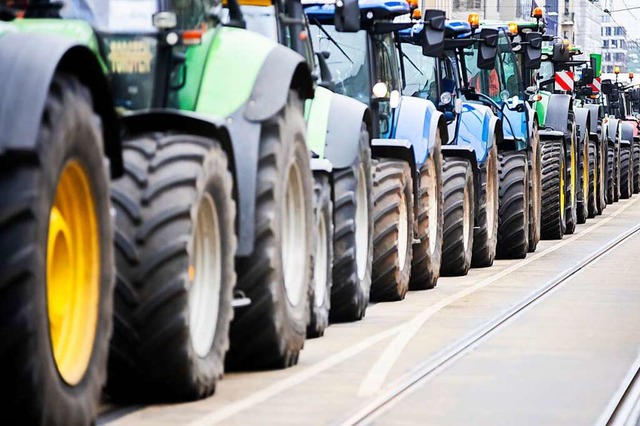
<point>73,273</point>
<point>585,173</point>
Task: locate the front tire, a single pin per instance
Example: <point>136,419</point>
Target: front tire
<point>392,230</point>
<point>593,180</point>
<point>513,226</point>
<point>56,258</point>
<point>427,254</point>
<point>485,236</point>
<point>320,290</point>
<point>582,207</point>
<point>636,167</point>
<point>553,190</point>
<point>626,168</point>
<point>535,190</point>
<point>457,246</point>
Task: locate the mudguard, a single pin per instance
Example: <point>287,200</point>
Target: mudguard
<point>594,114</point>
<point>345,117</point>
<point>583,121</point>
<point>557,114</point>
<point>627,130</point>
<point>248,90</point>
<point>418,121</point>
<point>517,128</point>
<point>613,129</point>
<point>26,77</point>
<point>541,107</point>
<point>477,124</point>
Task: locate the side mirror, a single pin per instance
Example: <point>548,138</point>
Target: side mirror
<point>533,53</point>
<point>606,87</point>
<point>433,37</point>
<point>488,49</point>
<point>347,16</point>
<point>587,76</point>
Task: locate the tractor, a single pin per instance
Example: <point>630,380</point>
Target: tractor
<point>471,231</point>
<point>338,135</point>
<point>359,45</point>
<point>197,132</point>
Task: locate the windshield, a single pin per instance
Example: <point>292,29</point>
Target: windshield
<point>420,72</point>
<point>347,60</point>
<point>134,15</point>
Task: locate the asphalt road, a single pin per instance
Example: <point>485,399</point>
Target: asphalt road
<point>564,359</point>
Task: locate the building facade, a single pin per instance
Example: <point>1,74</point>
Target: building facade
<point>614,45</point>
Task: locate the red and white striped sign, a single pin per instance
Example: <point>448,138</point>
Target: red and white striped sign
<point>564,80</point>
<point>595,86</point>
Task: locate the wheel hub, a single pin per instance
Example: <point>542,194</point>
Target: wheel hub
<point>294,236</point>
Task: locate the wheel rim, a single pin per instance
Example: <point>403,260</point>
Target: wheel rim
<point>403,230</point>
<point>433,206</point>
<point>573,172</point>
<point>491,190</point>
<point>562,188</point>
<point>362,224</point>
<point>73,273</point>
<point>294,236</point>
<point>321,263</point>
<point>466,219</point>
<point>205,274</point>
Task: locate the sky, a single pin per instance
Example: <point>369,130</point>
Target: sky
<point>630,19</point>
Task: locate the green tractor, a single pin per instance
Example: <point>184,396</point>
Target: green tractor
<point>203,132</point>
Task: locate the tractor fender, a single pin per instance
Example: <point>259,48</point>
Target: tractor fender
<point>477,124</point>
<point>558,113</point>
<point>418,121</point>
<point>466,152</point>
<point>282,69</point>
<point>594,114</point>
<point>342,141</point>
<point>400,149</point>
<point>612,130</point>
<point>583,120</point>
<point>160,120</point>
<point>27,75</point>
<point>627,131</point>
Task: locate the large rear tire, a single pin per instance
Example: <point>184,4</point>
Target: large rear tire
<point>602,174</point>
<point>427,254</point>
<point>582,196</point>
<point>270,332</point>
<point>320,289</point>
<point>636,167</point>
<point>593,180</point>
<point>513,226</point>
<point>392,230</point>
<point>553,190</point>
<point>457,246</point>
<point>626,169</point>
<point>572,182</point>
<point>175,248</point>
<point>485,233</point>
<point>56,258</point>
<point>611,175</point>
<point>353,236</point>
<point>535,190</point>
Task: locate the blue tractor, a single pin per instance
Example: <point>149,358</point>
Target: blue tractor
<point>360,46</point>
<point>471,209</point>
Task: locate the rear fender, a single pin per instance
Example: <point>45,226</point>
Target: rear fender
<point>583,121</point>
<point>418,121</point>
<point>476,126</point>
<point>557,115</point>
<point>344,121</point>
<point>31,72</point>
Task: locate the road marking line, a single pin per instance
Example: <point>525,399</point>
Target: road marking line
<point>631,408</point>
<point>298,378</point>
<point>378,373</point>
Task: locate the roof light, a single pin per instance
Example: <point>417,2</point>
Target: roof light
<point>630,76</point>
<point>474,20</point>
<point>192,37</point>
<point>413,4</point>
<point>566,42</point>
<point>513,28</point>
<point>416,14</point>
<point>537,13</point>
<point>616,70</point>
